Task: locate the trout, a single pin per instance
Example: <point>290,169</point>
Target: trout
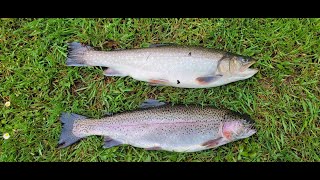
<point>167,65</point>
<point>160,126</point>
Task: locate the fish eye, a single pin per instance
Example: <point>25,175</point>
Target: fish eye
<point>244,60</point>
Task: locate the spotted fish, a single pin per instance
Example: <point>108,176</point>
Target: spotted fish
<point>167,65</point>
<point>160,126</point>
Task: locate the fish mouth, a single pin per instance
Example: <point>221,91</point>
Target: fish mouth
<point>251,131</point>
<point>249,128</point>
<point>247,65</point>
<point>246,71</point>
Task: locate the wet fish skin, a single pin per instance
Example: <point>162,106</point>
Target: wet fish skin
<point>172,128</point>
<point>177,66</point>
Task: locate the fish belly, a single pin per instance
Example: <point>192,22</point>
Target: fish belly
<point>174,71</point>
<point>179,136</point>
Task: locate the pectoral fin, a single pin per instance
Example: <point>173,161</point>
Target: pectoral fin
<point>212,143</point>
<point>113,72</point>
<point>208,79</point>
<point>108,142</point>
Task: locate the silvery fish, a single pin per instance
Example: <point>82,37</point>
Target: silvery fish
<point>160,126</point>
<point>167,65</point>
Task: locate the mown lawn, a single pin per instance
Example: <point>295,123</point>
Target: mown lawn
<point>282,98</point>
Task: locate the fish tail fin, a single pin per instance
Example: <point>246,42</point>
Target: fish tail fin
<point>76,53</point>
<point>67,137</point>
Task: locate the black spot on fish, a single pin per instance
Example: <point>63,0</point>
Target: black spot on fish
<point>178,82</point>
<point>189,54</point>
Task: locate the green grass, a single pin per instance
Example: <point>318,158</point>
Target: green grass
<point>283,98</point>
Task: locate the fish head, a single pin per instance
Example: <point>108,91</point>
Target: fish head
<point>237,67</point>
<point>237,129</point>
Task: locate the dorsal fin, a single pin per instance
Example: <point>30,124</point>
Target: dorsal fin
<point>161,45</point>
<point>151,103</point>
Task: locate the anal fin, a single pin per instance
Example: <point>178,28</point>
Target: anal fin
<point>153,148</point>
<point>113,72</point>
<point>158,82</point>
<point>108,142</point>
